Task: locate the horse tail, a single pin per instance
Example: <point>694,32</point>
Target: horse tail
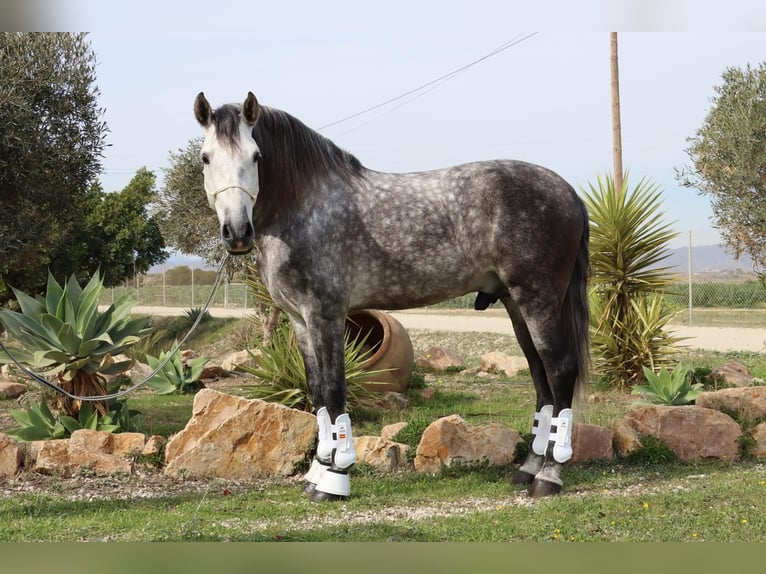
<point>576,312</point>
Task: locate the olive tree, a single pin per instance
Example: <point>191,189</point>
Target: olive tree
<point>51,140</point>
<point>728,160</point>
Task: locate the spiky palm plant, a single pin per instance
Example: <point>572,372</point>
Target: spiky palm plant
<point>628,243</point>
<point>64,336</point>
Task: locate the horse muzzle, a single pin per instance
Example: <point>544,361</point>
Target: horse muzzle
<point>237,239</point>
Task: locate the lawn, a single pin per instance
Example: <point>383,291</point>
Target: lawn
<point>647,497</point>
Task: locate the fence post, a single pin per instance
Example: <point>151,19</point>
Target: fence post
<point>690,277</point>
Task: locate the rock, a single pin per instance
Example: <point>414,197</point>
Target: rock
<point>233,361</point>
<point>439,359</point>
<point>734,373</point>
<point>213,372</point>
<point>691,432</point>
<point>104,453</point>
<point>384,455</point>
<point>52,457</point>
<point>591,442</point>
<point>503,363</point>
<point>452,440</point>
<point>10,390</point>
<point>625,438</point>
<point>749,403</point>
<point>428,393</point>
<point>233,437</point>
<point>99,452</point>
<point>138,372</point>
<point>154,445</point>
<point>759,438</point>
<point>11,457</point>
<point>388,432</point>
<point>388,401</point>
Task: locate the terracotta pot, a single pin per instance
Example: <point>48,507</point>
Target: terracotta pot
<point>392,349</point>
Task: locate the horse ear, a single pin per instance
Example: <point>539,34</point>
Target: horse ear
<point>250,109</point>
<point>202,110</point>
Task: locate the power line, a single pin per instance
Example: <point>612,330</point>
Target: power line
<point>510,43</point>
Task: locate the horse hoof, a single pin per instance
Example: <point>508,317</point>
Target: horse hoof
<point>540,488</point>
<point>523,478</point>
<point>319,496</point>
<point>309,488</point>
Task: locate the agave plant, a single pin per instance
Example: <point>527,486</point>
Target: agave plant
<point>628,242</point>
<point>668,387</point>
<point>64,336</point>
<point>176,374</point>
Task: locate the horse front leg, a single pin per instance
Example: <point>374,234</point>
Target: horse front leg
<point>322,346</point>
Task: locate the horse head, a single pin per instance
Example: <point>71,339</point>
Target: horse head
<point>230,158</point>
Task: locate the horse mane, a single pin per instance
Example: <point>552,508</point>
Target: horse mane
<point>294,158</point>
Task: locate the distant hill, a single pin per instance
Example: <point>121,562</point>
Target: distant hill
<point>708,259</point>
<point>179,260</point>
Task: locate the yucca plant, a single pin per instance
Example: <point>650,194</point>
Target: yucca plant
<point>64,336</point>
<point>282,376</point>
<point>628,242</point>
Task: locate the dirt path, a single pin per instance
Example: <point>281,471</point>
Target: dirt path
<point>496,321</point>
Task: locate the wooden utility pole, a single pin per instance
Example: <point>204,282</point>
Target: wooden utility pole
<point>616,127</point>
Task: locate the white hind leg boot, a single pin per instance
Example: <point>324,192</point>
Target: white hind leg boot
<point>562,440</point>
<point>325,447</point>
<point>541,429</point>
<point>335,484</point>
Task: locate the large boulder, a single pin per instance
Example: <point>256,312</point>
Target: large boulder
<point>99,452</point>
<point>451,440</point>
<point>233,437</point>
<point>733,372</point>
<point>748,403</point>
<point>591,442</point>
<point>691,432</point>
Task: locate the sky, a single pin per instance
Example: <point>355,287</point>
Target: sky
<point>545,99</point>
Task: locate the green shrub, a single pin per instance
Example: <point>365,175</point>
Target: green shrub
<point>64,335</point>
<point>282,376</point>
<point>628,243</point>
<point>176,375</point>
<point>668,387</point>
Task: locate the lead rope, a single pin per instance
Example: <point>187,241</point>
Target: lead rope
<point>34,376</point>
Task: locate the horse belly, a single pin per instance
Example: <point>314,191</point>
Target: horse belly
<point>378,286</point>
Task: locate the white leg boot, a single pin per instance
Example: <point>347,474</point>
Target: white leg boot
<point>335,483</point>
<point>325,447</point>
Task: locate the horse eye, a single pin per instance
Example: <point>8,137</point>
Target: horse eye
<point>256,156</point>
<point>205,159</point>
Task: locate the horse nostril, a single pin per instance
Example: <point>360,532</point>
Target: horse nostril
<point>226,234</point>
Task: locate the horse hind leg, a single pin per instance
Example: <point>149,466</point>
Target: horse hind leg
<point>554,369</point>
<point>544,400</point>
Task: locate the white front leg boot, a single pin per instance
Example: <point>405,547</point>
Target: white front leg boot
<point>335,483</point>
<point>325,447</point>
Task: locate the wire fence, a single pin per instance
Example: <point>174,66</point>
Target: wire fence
<point>712,287</point>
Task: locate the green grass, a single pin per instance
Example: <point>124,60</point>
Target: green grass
<point>670,502</point>
<point>646,497</point>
